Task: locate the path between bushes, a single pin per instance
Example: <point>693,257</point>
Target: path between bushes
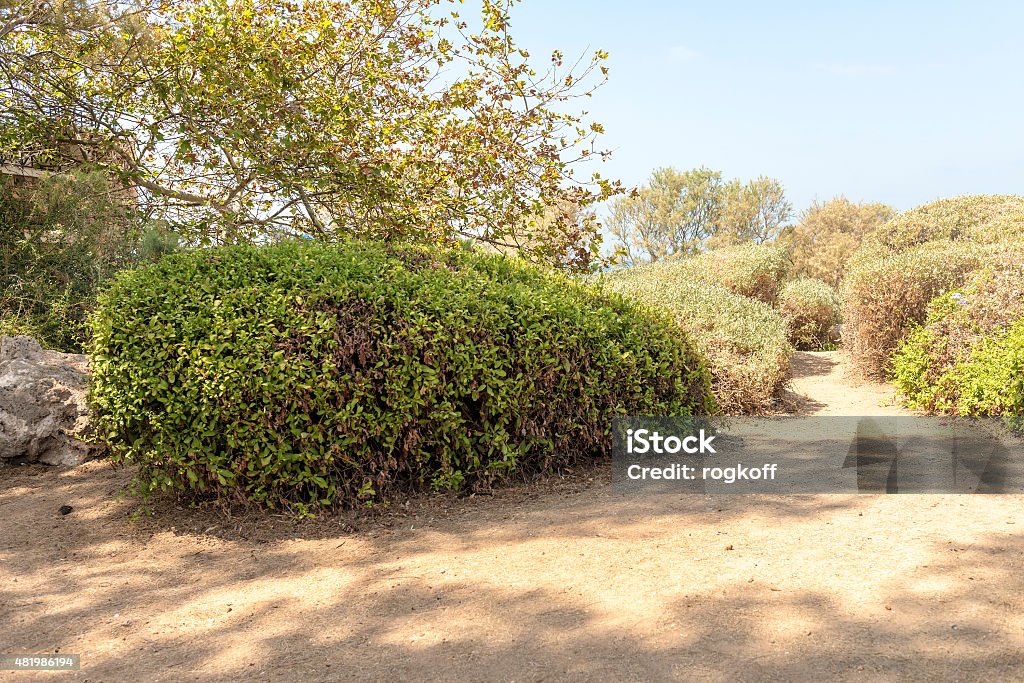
<point>564,581</point>
<point>825,384</point>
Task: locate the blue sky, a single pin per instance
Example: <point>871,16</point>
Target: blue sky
<point>900,102</point>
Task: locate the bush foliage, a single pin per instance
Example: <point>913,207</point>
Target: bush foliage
<point>915,257</point>
<point>810,308</point>
<point>744,340</point>
<point>751,270</point>
<point>304,375</point>
<point>968,358</point>
<point>974,218</point>
<point>886,294</point>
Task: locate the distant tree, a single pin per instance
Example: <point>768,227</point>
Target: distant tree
<point>829,233</point>
<point>674,214</point>
<point>753,212</point>
<point>678,213</point>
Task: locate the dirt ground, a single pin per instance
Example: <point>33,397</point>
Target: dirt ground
<point>560,581</point>
<point>824,384</point>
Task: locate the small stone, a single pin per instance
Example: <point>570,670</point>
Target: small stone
<point>65,509</point>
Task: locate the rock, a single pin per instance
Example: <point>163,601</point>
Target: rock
<point>42,404</point>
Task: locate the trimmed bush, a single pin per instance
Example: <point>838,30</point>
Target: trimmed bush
<point>968,359</point>
<point>303,375</point>
<point>810,308</point>
<point>887,294</point>
<point>744,340</point>
<point>973,218</point>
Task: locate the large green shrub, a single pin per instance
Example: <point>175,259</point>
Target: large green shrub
<point>968,358</point>
<point>302,374</point>
<point>744,340</point>
<point>810,308</point>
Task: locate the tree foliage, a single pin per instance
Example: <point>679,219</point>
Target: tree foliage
<point>680,213</point>
<point>753,212</point>
<point>246,119</point>
<point>829,233</point>
<point>672,215</point>
<point>59,239</point>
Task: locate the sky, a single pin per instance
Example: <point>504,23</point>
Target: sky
<point>898,102</point>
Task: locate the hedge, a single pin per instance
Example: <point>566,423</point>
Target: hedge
<point>978,219</point>
<point>810,308</point>
<point>885,295</point>
<point>744,340</point>
<point>302,375</point>
<point>918,255</point>
<point>968,357</point>
<point>752,270</point>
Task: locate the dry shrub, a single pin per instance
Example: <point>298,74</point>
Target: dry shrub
<point>753,270</point>
<point>810,308</point>
<point>972,218</point>
<point>886,295</point>
<point>744,340</point>
<point>916,257</point>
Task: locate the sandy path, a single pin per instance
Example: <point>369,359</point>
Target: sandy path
<point>564,583</point>
<point>824,384</point>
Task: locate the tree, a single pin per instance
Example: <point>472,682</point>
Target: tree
<point>60,238</point>
<point>249,119</point>
<point>829,233</point>
<point>754,212</point>
<point>565,229</point>
<point>673,214</point>
<point>681,213</point>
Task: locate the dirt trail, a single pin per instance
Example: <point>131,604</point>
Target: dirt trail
<point>567,582</point>
<point>825,384</point>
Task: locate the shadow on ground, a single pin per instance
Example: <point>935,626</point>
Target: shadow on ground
<point>535,586</point>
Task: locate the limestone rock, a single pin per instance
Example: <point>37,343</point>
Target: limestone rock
<point>42,404</point>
